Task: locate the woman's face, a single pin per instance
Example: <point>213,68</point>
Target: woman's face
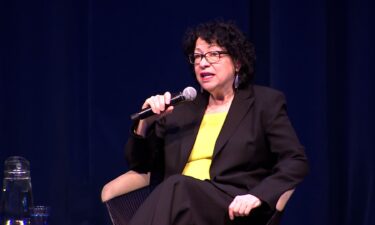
<point>215,77</point>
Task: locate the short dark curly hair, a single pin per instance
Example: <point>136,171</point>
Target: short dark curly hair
<point>228,36</point>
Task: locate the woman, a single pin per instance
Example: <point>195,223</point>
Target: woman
<point>227,156</point>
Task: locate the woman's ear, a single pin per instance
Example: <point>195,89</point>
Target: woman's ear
<point>237,65</point>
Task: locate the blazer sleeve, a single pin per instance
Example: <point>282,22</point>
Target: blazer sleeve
<point>291,164</point>
<point>141,152</point>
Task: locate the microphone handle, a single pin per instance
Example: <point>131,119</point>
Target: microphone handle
<point>147,112</point>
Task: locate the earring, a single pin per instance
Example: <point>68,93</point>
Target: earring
<point>236,82</point>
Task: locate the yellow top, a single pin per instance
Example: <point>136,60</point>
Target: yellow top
<point>198,165</point>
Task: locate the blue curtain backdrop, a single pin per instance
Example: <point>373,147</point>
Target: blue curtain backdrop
<point>71,73</point>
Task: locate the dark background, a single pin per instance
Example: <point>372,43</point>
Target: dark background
<point>72,71</point>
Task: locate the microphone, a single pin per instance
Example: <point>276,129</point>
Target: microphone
<point>188,94</point>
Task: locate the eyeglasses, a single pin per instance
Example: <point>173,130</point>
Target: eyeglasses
<point>211,57</point>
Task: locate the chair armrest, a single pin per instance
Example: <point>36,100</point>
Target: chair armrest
<point>122,208</point>
<point>280,205</point>
<point>123,184</point>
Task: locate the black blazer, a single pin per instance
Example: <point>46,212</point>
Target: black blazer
<point>257,150</point>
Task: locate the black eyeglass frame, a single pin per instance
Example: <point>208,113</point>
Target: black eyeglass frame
<point>193,57</point>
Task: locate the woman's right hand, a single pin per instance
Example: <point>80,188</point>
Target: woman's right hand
<point>159,105</point>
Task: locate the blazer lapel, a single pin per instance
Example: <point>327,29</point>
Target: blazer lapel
<point>195,117</point>
<point>241,104</point>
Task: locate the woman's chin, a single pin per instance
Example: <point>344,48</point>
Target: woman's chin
<point>208,87</point>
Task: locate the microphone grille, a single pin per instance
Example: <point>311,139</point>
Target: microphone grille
<point>189,93</point>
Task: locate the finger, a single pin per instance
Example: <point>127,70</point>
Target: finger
<point>157,103</point>
<point>234,205</point>
<point>236,208</point>
<point>161,102</point>
<point>247,210</point>
<point>167,98</point>
<point>242,209</point>
<point>146,104</point>
<point>153,105</point>
<point>230,211</point>
<point>256,203</point>
<point>169,110</point>
<point>252,206</point>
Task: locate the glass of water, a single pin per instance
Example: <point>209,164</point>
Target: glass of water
<point>16,194</point>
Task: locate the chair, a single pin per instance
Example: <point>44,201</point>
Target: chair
<point>123,196</point>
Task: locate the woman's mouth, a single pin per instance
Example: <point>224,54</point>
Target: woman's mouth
<point>206,76</point>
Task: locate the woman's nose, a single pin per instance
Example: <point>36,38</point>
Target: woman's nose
<point>204,62</point>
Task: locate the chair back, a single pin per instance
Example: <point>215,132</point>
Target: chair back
<point>280,206</point>
<point>122,208</point>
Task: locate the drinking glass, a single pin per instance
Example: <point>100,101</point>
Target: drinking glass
<point>16,196</point>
